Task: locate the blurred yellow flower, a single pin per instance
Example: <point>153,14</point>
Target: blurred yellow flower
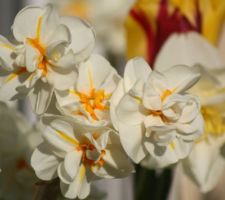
<point>151,22</point>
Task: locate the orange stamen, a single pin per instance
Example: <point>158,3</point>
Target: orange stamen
<point>165,94</point>
<point>93,101</point>
<point>36,43</point>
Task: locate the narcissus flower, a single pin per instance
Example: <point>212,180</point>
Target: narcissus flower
<point>48,49</point>
<point>206,163</point>
<point>88,101</point>
<point>156,118</point>
<point>151,22</point>
<point>107,16</point>
<point>78,155</point>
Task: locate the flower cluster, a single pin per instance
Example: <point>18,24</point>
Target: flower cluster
<point>94,120</point>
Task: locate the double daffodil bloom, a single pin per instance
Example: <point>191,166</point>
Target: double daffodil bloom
<point>155,117</point>
<point>151,22</point>
<point>88,101</point>
<point>48,49</point>
<point>206,163</point>
<point>107,16</point>
<point>78,155</point>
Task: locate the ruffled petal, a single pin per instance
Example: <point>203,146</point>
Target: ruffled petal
<point>136,69</point>
<point>162,156</point>
<point>60,135</point>
<point>94,73</point>
<point>181,78</point>
<point>45,163</point>
<point>82,37</point>
<point>130,110</point>
<point>72,163</point>
<point>61,79</point>
<point>132,138</point>
<point>25,23</point>
<point>78,188</point>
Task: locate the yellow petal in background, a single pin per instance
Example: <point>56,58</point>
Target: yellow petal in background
<point>213,13</point>
<point>79,8</point>
<point>135,35</point>
<point>186,7</point>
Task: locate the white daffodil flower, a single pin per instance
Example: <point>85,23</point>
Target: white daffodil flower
<point>88,101</point>
<point>48,49</point>
<point>78,155</point>
<point>107,16</point>
<point>18,140</point>
<point>156,119</point>
<point>205,164</point>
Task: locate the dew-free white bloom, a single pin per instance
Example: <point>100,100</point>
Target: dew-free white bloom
<point>88,101</point>
<point>205,164</point>
<point>155,117</point>
<point>78,155</point>
<point>44,59</point>
<point>107,16</point>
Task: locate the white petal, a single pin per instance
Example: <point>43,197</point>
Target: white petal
<point>114,101</point>
<point>132,141</point>
<point>191,131</point>
<point>13,84</point>
<point>60,134</point>
<point>191,48</point>
<point>85,189</point>
<point>32,57</point>
<point>45,163</point>
<point>151,121</point>
<point>117,164</point>
<point>65,98</point>
<point>49,24</point>
<point>162,156</point>
<point>82,37</point>
<point>72,163</point>
<point>6,53</point>
<point>205,165</point>
<point>78,188</point>
<point>154,88</point>
<point>181,78</point>
<point>130,110</point>
<point>93,73</point>
<point>190,111</point>
<point>65,62</point>
<point>61,35</point>
<point>136,69</point>
<point>40,97</point>
<point>25,23</point>
<point>61,79</point>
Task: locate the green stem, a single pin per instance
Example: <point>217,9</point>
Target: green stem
<point>149,186</point>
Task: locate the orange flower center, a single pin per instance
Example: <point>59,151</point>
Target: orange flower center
<point>93,101</point>
<point>85,147</point>
<point>159,113</point>
<point>91,162</point>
